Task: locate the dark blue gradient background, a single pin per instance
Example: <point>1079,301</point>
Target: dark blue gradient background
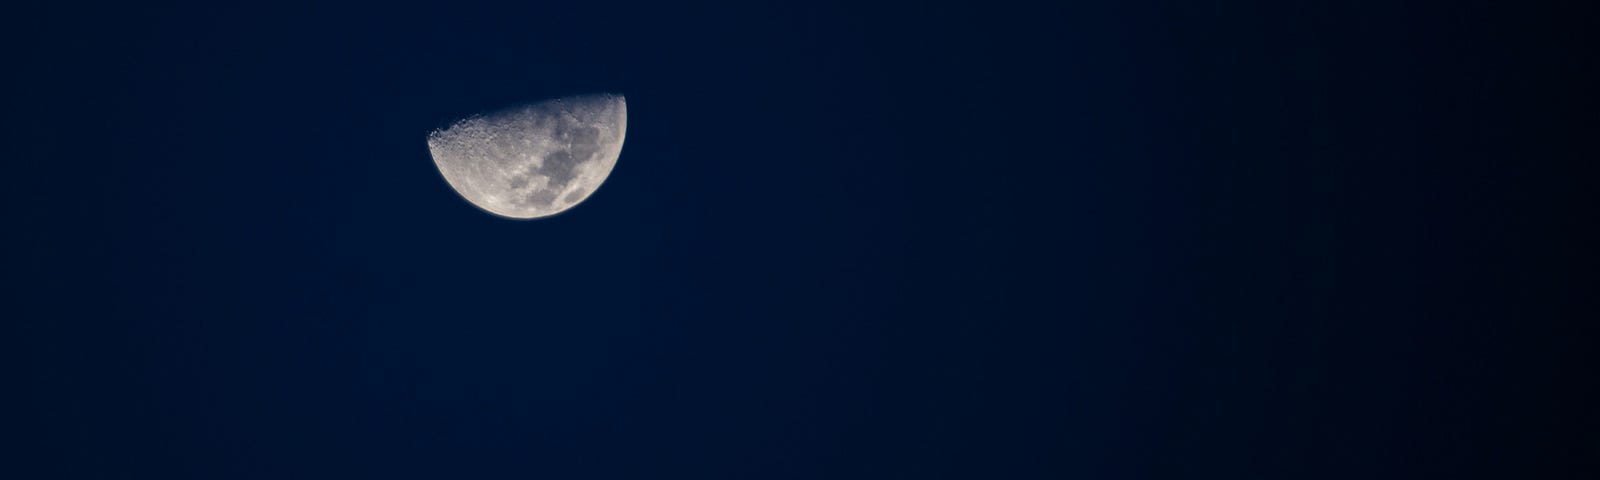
<point>922,240</point>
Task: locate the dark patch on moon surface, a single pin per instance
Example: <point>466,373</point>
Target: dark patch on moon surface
<point>576,195</point>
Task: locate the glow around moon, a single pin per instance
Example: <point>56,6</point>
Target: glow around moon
<point>533,161</point>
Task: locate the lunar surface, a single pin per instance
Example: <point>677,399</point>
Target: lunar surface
<point>536,160</point>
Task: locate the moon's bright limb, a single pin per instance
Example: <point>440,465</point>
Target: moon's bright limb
<point>536,160</point>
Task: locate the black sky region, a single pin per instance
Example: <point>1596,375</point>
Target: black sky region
<point>1236,239</point>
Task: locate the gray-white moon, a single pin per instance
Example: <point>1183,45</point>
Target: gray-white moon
<point>536,160</point>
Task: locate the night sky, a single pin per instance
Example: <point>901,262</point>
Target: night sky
<point>1238,239</point>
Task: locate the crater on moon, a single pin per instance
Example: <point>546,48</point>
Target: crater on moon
<point>536,160</point>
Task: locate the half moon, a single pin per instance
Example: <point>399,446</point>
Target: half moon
<point>533,161</point>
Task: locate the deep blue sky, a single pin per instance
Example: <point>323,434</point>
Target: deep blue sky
<point>926,240</point>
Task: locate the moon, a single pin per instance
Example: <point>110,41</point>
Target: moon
<point>536,160</point>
